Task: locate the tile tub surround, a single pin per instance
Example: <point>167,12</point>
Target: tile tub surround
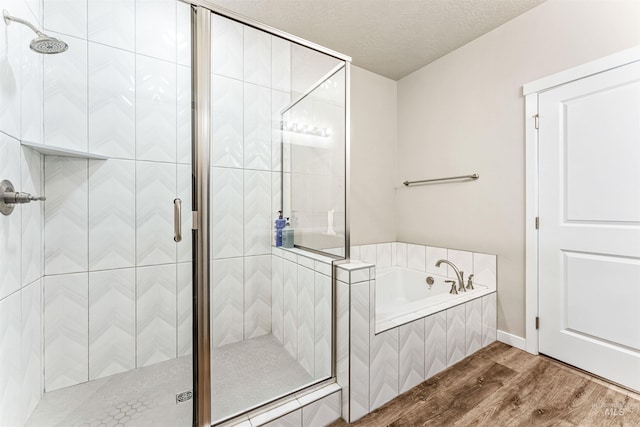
<point>375,368</point>
<point>423,258</point>
<point>392,281</point>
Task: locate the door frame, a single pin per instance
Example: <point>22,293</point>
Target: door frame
<point>531,91</point>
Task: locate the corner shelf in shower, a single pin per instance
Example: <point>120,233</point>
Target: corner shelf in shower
<point>50,150</point>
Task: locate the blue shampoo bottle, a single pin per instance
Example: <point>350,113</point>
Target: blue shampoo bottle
<point>280,223</point>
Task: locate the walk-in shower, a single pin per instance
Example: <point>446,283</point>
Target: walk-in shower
<point>41,44</point>
<point>182,119</point>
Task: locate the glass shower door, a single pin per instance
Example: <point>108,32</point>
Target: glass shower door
<point>271,308</point>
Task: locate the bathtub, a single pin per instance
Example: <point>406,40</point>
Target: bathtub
<point>402,295</point>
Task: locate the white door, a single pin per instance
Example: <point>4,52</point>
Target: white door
<point>589,237</point>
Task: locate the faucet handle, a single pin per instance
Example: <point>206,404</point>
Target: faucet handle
<point>470,282</point>
<point>453,290</point>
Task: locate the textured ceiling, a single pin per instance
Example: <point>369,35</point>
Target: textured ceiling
<point>389,37</point>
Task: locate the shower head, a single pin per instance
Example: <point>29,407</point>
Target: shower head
<point>47,45</point>
<point>41,44</point>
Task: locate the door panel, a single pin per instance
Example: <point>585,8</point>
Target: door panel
<point>601,152</point>
<point>589,283</point>
<point>589,290</point>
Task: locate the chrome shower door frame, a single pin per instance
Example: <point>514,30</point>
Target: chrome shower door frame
<point>201,167</point>
<point>201,11</point>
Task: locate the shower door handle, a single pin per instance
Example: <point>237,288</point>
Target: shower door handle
<point>177,220</point>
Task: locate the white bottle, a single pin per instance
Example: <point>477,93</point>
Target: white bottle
<point>287,235</point>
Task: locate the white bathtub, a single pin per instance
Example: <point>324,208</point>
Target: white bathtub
<point>403,295</point>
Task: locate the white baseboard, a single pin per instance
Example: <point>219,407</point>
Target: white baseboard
<point>512,340</point>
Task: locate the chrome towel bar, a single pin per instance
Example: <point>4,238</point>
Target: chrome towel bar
<point>473,176</point>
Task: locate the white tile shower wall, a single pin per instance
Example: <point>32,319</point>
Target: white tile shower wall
<point>257,296</point>
<point>156,299</point>
<point>112,231</point>
<point>20,288</point>
<point>10,245</point>
<point>246,191</point>
<point>156,92</point>
<point>373,369</point>
<point>66,330</point>
<point>10,323</point>
<point>227,299</point>
<point>290,307</point>
<point>343,344</point>
<point>66,218</point>
<point>10,84</point>
<point>112,320</point>
<point>301,309</point>
<point>112,101</point>
<point>21,338</point>
<point>277,297</point>
<point>112,23</point>
<point>31,348</point>
<point>305,324</point>
<point>322,325</point>
<point>121,90</point>
<point>32,247</point>
<point>65,93</point>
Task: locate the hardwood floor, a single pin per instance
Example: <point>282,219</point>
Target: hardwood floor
<point>503,386</point>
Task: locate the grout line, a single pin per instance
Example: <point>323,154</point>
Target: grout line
<point>135,186</point>
<point>87,163</point>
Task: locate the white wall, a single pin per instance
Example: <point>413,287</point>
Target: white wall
<point>464,113</point>
<point>373,157</point>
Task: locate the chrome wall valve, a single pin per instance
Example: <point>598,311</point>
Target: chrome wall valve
<point>9,197</point>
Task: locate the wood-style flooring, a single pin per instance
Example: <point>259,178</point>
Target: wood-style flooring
<point>503,386</point>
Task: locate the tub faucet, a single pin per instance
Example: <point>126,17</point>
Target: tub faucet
<point>459,274</point>
<point>470,282</point>
<point>453,290</point>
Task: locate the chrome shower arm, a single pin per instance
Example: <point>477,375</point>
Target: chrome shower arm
<point>43,43</point>
<point>8,18</point>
